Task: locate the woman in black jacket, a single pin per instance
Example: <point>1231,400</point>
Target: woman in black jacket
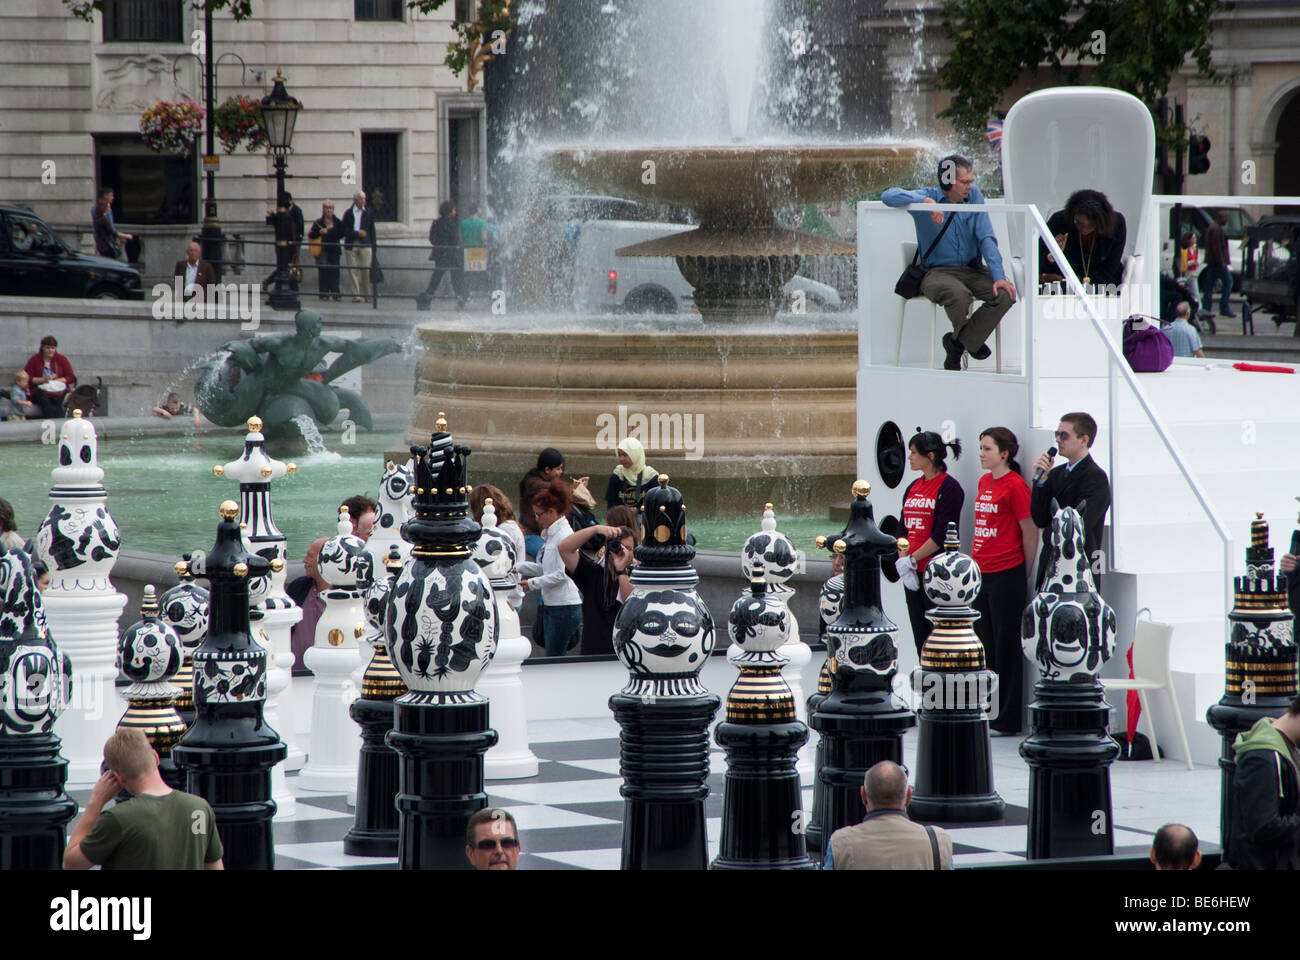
<point>329,231</point>
<point>444,235</point>
<point>1092,234</point>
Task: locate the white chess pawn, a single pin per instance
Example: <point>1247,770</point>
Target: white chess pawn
<point>770,556</point>
<point>502,682</point>
<point>335,739</point>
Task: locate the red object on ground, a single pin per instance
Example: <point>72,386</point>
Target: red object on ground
<point>318,377</point>
<point>1133,703</point>
<point>1262,368</point>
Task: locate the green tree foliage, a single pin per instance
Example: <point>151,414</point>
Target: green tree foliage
<point>1133,45</point>
<point>239,9</point>
<point>473,46</point>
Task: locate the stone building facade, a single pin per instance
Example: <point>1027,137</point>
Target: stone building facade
<point>381,112</point>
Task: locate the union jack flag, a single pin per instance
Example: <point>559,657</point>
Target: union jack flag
<point>994,132</point>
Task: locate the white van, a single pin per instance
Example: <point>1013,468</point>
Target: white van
<point>604,282</point>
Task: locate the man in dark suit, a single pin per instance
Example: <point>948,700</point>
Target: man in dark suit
<point>1077,481</point>
<point>359,245</point>
<point>194,271</point>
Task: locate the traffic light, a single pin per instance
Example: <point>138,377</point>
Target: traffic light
<point>1198,153</point>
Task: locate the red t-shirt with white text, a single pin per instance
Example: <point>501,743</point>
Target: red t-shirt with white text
<point>918,515</point>
<point>999,508</point>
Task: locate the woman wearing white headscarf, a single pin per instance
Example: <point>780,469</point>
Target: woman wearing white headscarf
<point>631,478</point>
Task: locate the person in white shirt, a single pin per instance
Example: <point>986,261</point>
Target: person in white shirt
<point>562,603</point>
<point>359,244</point>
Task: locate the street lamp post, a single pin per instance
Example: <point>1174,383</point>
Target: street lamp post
<point>279,113</point>
<point>211,238</point>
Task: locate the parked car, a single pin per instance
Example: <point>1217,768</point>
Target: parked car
<point>603,281</point>
<point>36,262</point>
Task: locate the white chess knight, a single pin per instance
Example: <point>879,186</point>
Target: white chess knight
<point>769,555</point>
<point>332,754</point>
<point>396,491</point>
<point>79,543</point>
<point>502,681</point>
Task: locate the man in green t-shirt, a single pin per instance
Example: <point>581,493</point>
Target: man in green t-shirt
<point>472,228</point>
<point>157,829</point>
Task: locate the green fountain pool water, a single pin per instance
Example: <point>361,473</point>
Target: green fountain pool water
<point>163,495</point>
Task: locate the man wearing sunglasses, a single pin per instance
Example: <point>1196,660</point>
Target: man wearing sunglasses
<point>1077,481</point>
<point>492,840</point>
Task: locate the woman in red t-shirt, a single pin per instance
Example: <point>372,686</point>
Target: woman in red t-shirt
<point>1005,542</point>
<point>930,503</point>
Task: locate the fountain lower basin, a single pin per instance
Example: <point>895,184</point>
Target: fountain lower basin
<point>735,415</point>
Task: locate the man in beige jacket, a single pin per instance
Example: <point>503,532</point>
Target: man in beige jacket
<point>886,839</point>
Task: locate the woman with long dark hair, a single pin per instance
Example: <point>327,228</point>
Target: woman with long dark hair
<point>605,582</point>
<point>1091,233</point>
<point>561,609</point>
<point>1005,542</point>
<point>930,503</point>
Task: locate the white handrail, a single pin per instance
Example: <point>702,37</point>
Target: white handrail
<point>1115,359</point>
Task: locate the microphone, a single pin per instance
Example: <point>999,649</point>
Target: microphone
<point>1040,477</point>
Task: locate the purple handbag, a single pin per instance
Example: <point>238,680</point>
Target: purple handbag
<point>1146,348</point>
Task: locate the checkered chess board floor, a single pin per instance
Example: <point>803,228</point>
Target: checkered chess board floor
<point>570,815</point>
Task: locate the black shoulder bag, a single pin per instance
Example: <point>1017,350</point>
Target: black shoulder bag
<point>909,284</point>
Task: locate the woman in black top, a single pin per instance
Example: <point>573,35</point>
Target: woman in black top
<point>604,582</point>
<point>444,236</point>
<point>1091,233</point>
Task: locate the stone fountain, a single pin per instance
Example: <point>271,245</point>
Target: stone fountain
<point>738,374</point>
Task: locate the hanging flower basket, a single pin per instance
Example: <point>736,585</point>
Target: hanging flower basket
<point>239,119</point>
<point>171,126</point>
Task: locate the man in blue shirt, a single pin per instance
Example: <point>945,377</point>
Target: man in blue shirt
<point>955,276</point>
<point>1181,333</point>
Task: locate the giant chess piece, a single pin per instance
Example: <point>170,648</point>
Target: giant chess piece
<point>664,635</point>
<point>762,815</point>
<point>149,655</point>
<point>35,677</point>
<point>441,627</point>
<point>954,766</point>
<point>861,721</point>
<point>184,608</point>
<point>1260,655</point>
<point>393,508</point>
<point>332,753</point>
<point>228,753</point>
<point>503,681</point>
<point>374,831</point>
<point>78,541</point>
<point>1070,631</point>
<point>273,612</point>
<point>769,554</point>
<point>830,601</point>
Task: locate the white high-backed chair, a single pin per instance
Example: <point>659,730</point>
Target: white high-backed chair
<point>1151,644</point>
<point>1083,137</point>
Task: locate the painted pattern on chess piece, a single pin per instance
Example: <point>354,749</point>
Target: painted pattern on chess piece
<point>1260,662</point>
<point>79,543</point>
<point>35,687</point>
<point>185,609</point>
<point>1069,630</point>
<point>954,765</point>
<point>663,635</point>
<point>441,628</point>
<point>861,721</point>
<point>228,752</point>
<point>149,655</point>
<point>762,812</point>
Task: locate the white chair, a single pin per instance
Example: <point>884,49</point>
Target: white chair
<point>909,251</point>
<point>1151,643</point>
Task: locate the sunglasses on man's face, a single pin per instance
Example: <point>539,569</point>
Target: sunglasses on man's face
<point>1062,435</point>
<point>508,843</point>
